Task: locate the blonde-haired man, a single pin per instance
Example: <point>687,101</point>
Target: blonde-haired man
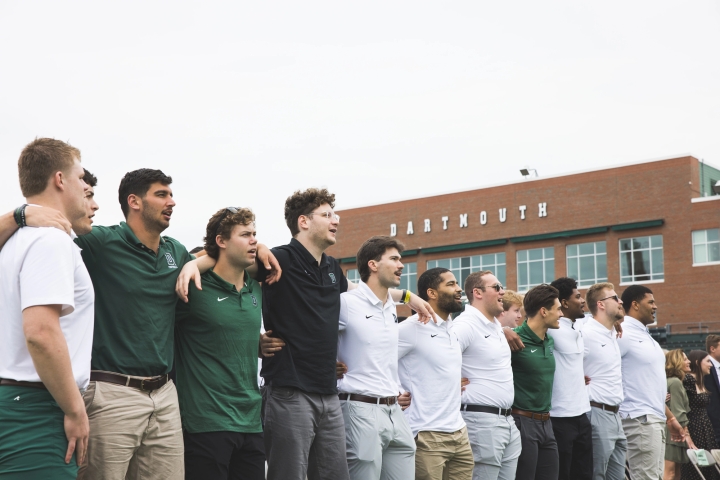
<point>602,363</point>
<point>512,315</point>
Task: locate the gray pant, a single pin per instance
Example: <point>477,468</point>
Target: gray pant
<point>495,442</point>
<point>609,445</point>
<point>304,435</point>
<point>646,446</point>
<point>380,445</point>
<point>539,458</point>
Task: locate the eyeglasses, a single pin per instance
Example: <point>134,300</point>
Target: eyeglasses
<point>497,287</point>
<point>328,215</point>
<point>614,297</point>
<point>224,214</point>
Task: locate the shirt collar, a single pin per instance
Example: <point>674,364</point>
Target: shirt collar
<point>525,328</point>
<point>599,327</point>
<point>714,362</point>
<point>221,282</point>
<point>304,253</point>
<point>372,298</point>
<point>132,239</point>
<point>478,314</point>
<point>633,322</point>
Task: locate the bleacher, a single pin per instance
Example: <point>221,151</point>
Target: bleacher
<point>684,341</point>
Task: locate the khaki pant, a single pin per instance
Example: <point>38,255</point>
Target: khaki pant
<point>133,434</point>
<point>443,456</point>
<point>646,446</point>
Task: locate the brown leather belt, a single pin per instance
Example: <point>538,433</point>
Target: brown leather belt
<point>602,406</point>
<point>535,416</point>
<point>145,384</point>
<point>366,399</point>
<point>4,382</point>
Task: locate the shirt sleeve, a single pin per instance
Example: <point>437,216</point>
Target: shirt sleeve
<point>464,334</point>
<point>47,276</point>
<point>92,244</point>
<point>623,342</point>
<point>343,312</point>
<point>407,335</point>
<point>678,404</point>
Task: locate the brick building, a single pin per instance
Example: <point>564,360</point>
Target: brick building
<point>654,223</point>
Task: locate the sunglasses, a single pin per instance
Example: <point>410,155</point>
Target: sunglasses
<point>614,297</point>
<point>222,217</point>
<point>497,287</point>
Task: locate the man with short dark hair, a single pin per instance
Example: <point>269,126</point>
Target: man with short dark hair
<point>46,316</point>
<point>533,373</point>
<point>378,440</point>
<point>216,341</point>
<point>430,364</point>
<point>570,402</point>
<point>643,409</point>
<point>487,400</point>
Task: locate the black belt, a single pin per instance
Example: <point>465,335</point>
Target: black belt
<point>146,384</point>
<point>603,406</point>
<point>367,399</point>
<point>465,407</point>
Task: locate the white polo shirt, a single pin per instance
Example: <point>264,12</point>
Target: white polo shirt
<point>430,362</point>
<point>485,360</point>
<point>368,344</point>
<point>602,364</point>
<point>43,266</point>
<point>643,371</point>
<point>569,395</point>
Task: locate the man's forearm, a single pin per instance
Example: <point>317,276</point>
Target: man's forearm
<point>48,349</point>
<point>7,227</point>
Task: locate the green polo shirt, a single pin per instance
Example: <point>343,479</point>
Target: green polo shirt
<point>533,371</point>
<point>134,300</point>
<point>216,338</point>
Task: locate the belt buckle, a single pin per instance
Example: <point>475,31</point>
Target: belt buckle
<point>142,383</point>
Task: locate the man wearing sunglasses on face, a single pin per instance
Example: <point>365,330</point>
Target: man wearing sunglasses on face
<point>602,363</point>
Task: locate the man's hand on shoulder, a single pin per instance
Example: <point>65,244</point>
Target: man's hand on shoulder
<point>423,308</point>
<point>513,339</point>
<point>46,217</point>
<point>271,264</point>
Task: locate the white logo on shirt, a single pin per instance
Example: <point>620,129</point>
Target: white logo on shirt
<point>221,299</point>
<point>533,351</point>
<point>170,260</point>
<point>17,399</point>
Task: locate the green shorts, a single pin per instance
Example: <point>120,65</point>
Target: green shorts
<point>32,436</point>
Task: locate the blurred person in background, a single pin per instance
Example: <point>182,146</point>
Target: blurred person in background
<point>677,366</point>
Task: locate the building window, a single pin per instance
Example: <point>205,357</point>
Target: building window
<point>353,275</point>
<point>641,259</point>
<point>587,263</point>
<point>535,266</point>
<point>706,246</point>
<point>461,267</point>
<point>408,280</point>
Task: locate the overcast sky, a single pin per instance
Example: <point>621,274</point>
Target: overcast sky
<point>244,102</point>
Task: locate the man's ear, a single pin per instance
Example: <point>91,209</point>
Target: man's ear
<point>432,294</point>
<point>134,202</point>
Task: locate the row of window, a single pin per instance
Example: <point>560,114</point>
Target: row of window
<point>641,260</point>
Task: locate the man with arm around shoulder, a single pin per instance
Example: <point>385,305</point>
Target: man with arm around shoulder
<point>47,323</point>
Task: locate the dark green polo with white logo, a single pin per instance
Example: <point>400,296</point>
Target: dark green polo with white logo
<point>134,300</point>
<point>216,339</point>
<point>533,371</point>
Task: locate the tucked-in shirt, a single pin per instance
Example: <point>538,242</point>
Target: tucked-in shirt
<point>368,344</point>
<point>134,299</point>
<point>534,370</point>
<point>216,338</point>
<point>643,372</point>
<point>303,308</point>
<point>602,363</point>
<point>429,366</point>
<point>42,266</point>
<point>485,360</point>
<point>569,395</point>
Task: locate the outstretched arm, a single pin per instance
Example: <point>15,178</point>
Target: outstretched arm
<point>34,217</point>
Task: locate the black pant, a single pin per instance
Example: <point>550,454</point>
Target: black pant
<point>539,457</point>
<point>224,456</point>
<point>574,440</point>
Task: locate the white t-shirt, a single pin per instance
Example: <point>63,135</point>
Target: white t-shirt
<point>485,360</point>
<point>602,364</point>
<point>569,396</point>
<point>368,344</point>
<point>43,266</point>
<point>430,362</point>
<point>643,371</point>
